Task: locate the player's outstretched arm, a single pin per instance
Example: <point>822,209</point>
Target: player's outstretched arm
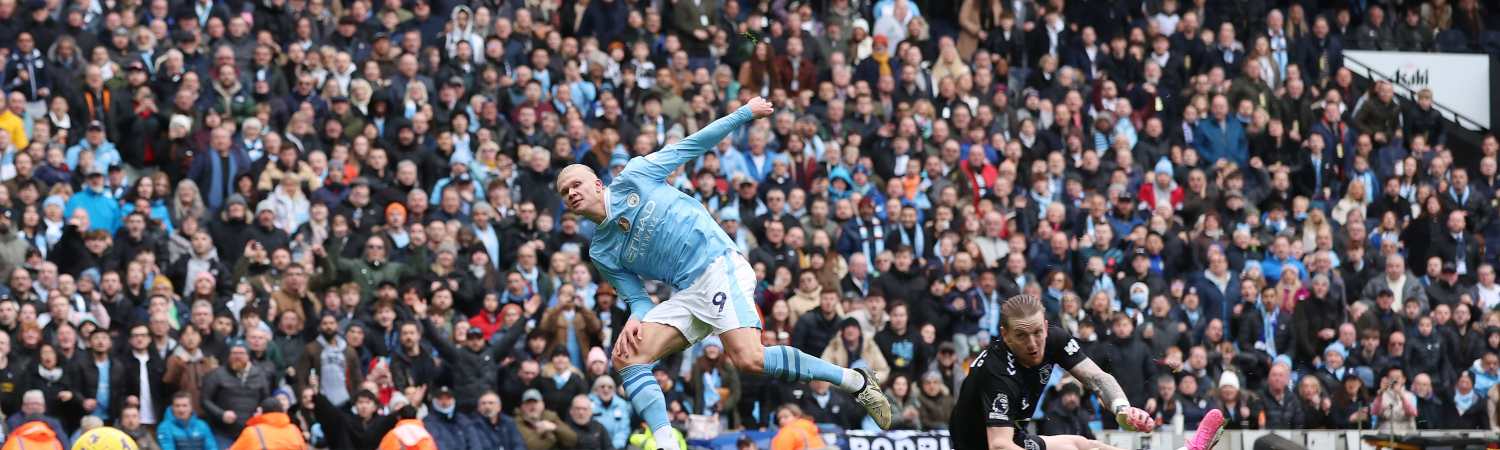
<point>1001,438</point>
<point>1111,393</point>
<point>657,166</point>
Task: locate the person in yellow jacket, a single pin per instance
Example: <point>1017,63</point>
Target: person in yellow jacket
<point>798,432</point>
<point>643,439</point>
<point>14,125</point>
<point>272,429</point>
<point>33,435</point>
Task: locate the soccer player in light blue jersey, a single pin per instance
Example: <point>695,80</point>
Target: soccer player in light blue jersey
<point>650,230</point>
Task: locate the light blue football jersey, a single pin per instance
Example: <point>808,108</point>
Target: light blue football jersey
<point>652,230</point>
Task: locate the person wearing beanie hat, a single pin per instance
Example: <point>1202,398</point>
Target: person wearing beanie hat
<point>1239,412</point>
<point>596,355</point>
<point>730,220</point>
<point>716,384</point>
<point>1334,359</point>
<point>618,158</point>
<point>680,243</point>
<point>1161,188</point>
<point>851,347</point>
<point>1229,380</point>
<point>263,207</point>
<point>54,200</point>
<point>728,214</point>
<point>395,208</point>
<point>236,199</point>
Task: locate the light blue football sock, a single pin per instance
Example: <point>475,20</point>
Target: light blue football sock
<point>646,397</point>
<point>791,365</point>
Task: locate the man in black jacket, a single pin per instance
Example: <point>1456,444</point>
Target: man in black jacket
<point>1128,358</point>
<point>143,371</point>
<point>362,428</point>
<point>591,434</point>
<point>1315,321</point>
<point>524,375</point>
<point>100,369</point>
<point>1263,329</point>
<point>905,281</point>
<point>1066,415</point>
<point>1430,407</point>
<point>1015,277</point>
<point>816,327</point>
<point>774,252</point>
<point>826,405</point>
<point>233,391</point>
<point>489,429</point>
<point>901,345</point>
<point>1283,410</point>
<point>1457,245</point>
<point>471,364</point>
<point>411,363</point>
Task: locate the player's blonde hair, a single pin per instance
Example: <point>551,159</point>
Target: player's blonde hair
<point>1020,306</point>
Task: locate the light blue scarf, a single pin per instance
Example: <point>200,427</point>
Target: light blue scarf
<point>710,389</point>
<point>1464,401</point>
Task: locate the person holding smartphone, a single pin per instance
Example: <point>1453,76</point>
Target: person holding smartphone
<point>1395,406</point>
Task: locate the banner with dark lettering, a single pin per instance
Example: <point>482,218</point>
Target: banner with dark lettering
<point>898,440</point>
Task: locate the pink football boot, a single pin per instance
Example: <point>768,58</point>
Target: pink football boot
<point>1209,431</point>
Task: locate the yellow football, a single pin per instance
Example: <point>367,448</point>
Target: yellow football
<point>104,438</point>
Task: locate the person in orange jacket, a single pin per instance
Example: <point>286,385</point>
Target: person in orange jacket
<point>272,429</point>
<point>409,433</point>
<point>33,435</point>
<point>798,432</point>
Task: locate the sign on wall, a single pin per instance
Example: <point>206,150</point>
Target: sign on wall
<point>1459,82</point>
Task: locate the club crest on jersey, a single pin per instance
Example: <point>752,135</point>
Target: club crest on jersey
<point>1046,375</point>
<point>632,199</point>
<point>624,224</point>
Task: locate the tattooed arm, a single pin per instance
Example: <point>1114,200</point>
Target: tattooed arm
<point>1101,382</point>
<point>1111,394</point>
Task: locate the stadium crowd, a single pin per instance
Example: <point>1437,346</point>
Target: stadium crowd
<point>346,207</point>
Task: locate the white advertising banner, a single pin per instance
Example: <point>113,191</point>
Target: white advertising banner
<point>1459,82</point>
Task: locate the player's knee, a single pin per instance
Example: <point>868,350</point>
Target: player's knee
<point>623,361</point>
<point>751,359</point>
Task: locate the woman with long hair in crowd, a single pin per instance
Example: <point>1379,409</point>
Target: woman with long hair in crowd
<point>904,402</point>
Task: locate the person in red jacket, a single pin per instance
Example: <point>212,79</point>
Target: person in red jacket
<point>1161,188</point>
